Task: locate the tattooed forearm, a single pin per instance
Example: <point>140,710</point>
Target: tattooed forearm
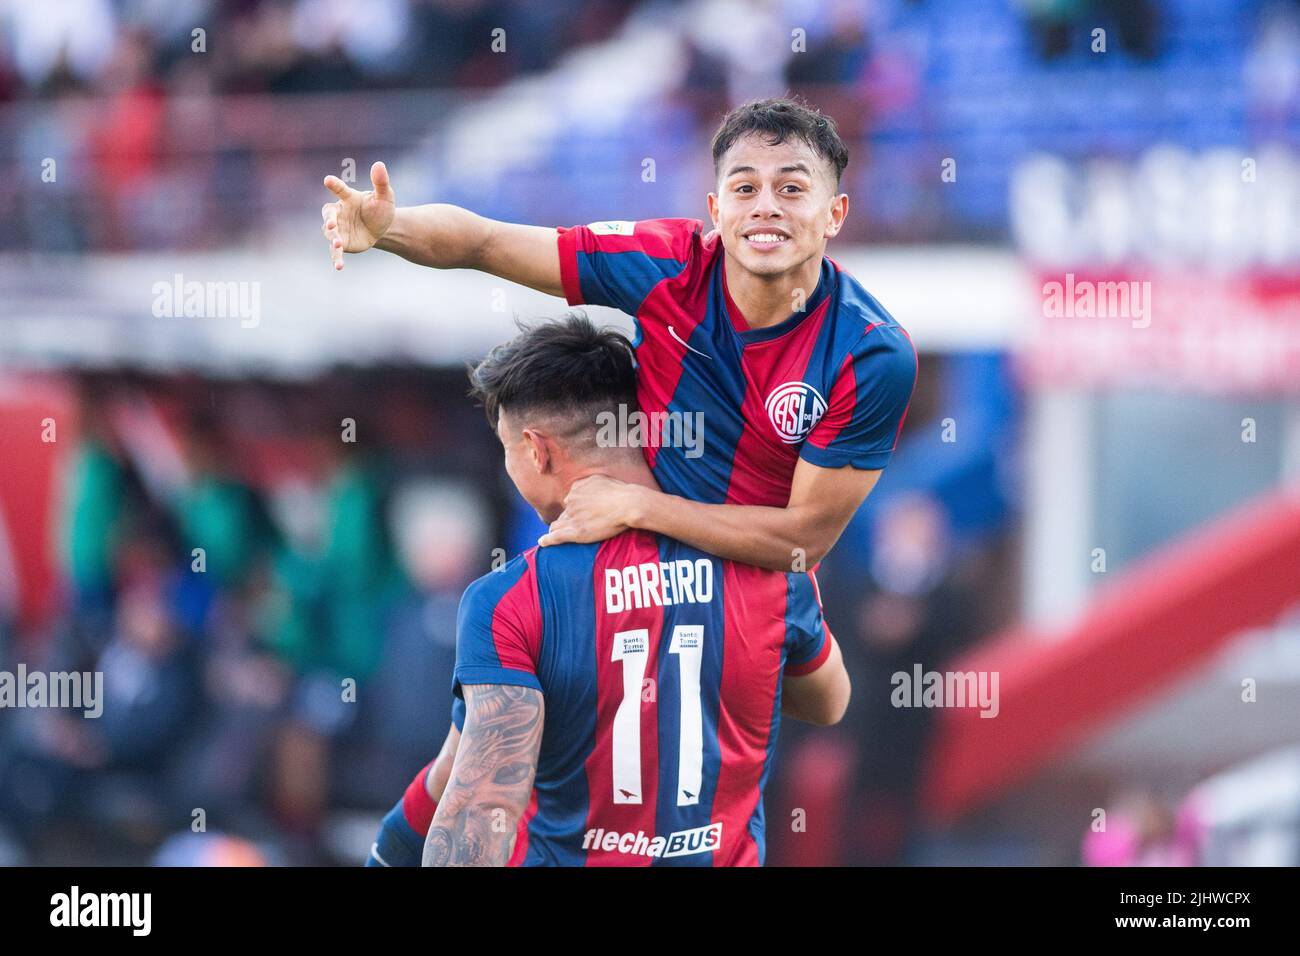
<point>491,778</point>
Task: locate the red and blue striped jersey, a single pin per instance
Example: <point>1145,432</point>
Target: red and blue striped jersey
<point>830,384</point>
<point>661,671</point>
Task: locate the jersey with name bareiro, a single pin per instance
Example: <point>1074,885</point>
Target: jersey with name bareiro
<point>660,668</point>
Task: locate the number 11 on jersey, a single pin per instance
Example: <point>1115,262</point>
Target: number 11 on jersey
<point>632,647</point>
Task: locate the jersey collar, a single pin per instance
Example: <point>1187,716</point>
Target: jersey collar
<point>748,336</point>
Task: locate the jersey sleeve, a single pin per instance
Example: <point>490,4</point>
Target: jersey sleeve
<point>499,629</point>
<point>867,404</point>
<point>616,263</point>
<point>807,638</point>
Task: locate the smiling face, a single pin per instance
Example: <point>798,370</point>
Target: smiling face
<point>776,205</point>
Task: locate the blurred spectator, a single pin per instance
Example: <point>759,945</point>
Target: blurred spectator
<point>246,690</point>
<point>833,69</point>
<point>126,139</point>
<point>56,760</point>
<point>1060,26</point>
<point>150,679</point>
<point>100,489</point>
<point>919,610</point>
<point>330,631</point>
<point>442,532</point>
<point>321,27</point>
<point>74,35</point>
<point>218,513</point>
<point>1141,830</point>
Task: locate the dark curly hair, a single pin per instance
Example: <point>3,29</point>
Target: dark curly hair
<point>563,367</point>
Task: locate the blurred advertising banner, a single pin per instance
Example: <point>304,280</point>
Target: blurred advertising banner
<point>1184,330</point>
<point>1178,270</point>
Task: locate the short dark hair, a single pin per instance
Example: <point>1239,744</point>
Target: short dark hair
<point>564,366</point>
<point>780,119</point>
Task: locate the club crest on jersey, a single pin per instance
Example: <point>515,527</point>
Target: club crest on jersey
<point>794,408</point>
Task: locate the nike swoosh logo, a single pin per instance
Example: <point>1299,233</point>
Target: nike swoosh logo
<point>682,342</point>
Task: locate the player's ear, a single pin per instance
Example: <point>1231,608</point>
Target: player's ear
<point>539,451</point>
<point>713,209</point>
<point>839,210</point>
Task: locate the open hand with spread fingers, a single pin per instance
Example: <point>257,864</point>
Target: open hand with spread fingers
<point>358,219</point>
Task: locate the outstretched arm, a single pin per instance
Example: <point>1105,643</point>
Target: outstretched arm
<point>491,778</point>
<point>438,235</point>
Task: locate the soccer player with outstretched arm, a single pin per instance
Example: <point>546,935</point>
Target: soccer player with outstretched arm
<point>801,377</point>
